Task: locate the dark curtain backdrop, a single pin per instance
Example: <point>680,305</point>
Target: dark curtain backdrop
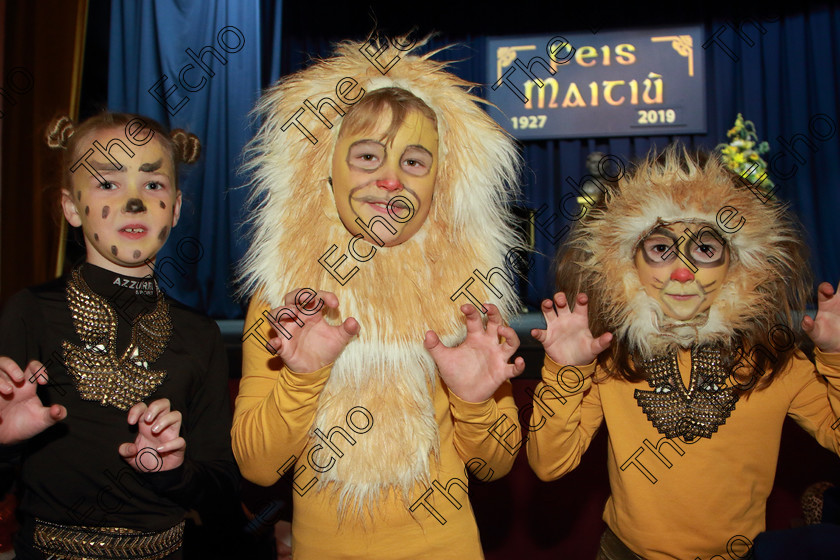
<point>780,76</point>
<point>149,40</point>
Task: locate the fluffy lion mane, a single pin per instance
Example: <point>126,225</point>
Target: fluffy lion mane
<point>768,279</point>
<point>400,291</point>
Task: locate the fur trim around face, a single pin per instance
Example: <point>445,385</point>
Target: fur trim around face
<point>398,292</point>
<point>766,278</point>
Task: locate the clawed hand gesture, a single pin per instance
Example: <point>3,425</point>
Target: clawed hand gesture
<point>474,369</point>
<point>158,445</point>
<point>824,330</point>
<point>316,343</point>
<point>567,339</point>
<point>22,415</point>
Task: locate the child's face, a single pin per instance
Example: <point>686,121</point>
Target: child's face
<point>367,173</point>
<point>682,292</point>
<point>127,219</point>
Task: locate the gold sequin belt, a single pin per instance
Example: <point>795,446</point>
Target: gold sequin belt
<point>74,542</point>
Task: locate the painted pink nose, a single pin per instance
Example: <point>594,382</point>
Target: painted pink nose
<point>682,275</point>
<point>389,184</point>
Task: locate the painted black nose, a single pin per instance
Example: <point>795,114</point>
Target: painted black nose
<point>135,206</point>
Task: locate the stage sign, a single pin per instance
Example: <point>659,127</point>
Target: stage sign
<point>613,83</point>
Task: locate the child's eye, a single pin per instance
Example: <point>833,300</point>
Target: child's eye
<point>154,186</point>
<point>107,186</point>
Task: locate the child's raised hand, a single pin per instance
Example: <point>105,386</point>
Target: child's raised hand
<point>157,447</point>
<point>21,413</point>
<point>567,339</point>
<point>824,330</point>
<point>314,343</point>
<point>474,369</point>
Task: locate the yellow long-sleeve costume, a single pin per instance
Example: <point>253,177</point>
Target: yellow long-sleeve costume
<point>660,485</point>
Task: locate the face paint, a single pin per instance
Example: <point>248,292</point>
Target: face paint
<point>135,205</point>
<point>368,175</point>
<point>665,275</point>
<point>128,216</point>
<point>79,195</point>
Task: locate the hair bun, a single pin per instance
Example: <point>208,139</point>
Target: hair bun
<point>59,132</point>
<point>187,145</point>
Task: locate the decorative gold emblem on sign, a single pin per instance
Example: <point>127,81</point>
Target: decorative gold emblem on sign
<point>683,44</point>
<point>101,375</point>
<point>506,55</point>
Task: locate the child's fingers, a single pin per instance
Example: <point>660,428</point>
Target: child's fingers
<point>824,292</point>
<point>10,368</point>
<point>581,304</point>
<point>57,413</point>
<point>136,412</point>
<point>35,372</point>
<point>176,444</point>
<point>164,421</point>
<point>511,342</point>
<point>433,344</point>
<point>473,318</point>
<point>285,321</point>
<point>156,408</point>
<point>517,368</point>
<point>127,450</point>
<point>274,345</point>
<point>351,327</point>
<point>601,343</point>
<point>539,335</point>
<point>494,317</point>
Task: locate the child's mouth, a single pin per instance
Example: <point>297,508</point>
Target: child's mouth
<point>133,232</point>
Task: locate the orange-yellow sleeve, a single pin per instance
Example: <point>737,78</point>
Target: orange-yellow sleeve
<point>566,416</point>
<point>275,407</point>
<point>482,430</point>
<point>816,402</point>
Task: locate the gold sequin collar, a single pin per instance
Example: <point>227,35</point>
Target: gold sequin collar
<point>101,375</point>
<point>692,412</point>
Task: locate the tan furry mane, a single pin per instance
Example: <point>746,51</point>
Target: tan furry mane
<point>768,279</point>
<point>401,291</point>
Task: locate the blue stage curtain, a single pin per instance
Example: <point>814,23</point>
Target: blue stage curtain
<point>149,40</point>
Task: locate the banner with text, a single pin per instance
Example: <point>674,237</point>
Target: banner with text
<point>616,83</point>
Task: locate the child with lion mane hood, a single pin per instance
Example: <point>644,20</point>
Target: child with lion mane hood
<point>677,327</point>
<point>373,208</point>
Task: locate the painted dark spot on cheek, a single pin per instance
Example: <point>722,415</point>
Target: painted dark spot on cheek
<point>114,250</point>
<point>163,233</point>
<point>96,236</point>
<point>87,210</point>
<point>105,211</point>
<point>79,195</point>
<point>163,205</point>
<point>137,254</point>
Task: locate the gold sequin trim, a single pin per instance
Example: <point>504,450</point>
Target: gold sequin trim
<point>73,542</point>
<point>101,375</point>
<point>688,413</point>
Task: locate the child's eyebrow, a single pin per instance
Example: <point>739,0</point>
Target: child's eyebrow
<point>420,148</point>
<point>151,167</point>
<point>102,166</point>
